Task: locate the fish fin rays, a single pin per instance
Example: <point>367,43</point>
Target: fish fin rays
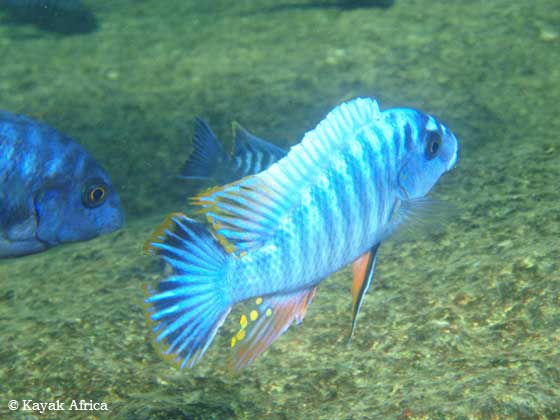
<point>275,315</point>
<point>246,142</point>
<point>209,159</point>
<point>419,219</point>
<point>208,155</point>
<point>363,270</point>
<point>159,232</point>
<point>188,307</point>
<point>245,213</point>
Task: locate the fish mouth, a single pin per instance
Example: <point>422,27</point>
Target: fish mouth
<point>115,223</point>
<point>453,161</point>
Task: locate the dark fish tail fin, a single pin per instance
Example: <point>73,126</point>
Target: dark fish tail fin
<point>209,160</point>
<point>208,155</point>
<point>187,308</point>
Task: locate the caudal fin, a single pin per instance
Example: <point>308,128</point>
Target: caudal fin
<point>208,155</point>
<point>188,307</point>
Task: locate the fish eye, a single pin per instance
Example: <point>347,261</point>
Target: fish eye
<point>433,144</point>
<point>95,194</point>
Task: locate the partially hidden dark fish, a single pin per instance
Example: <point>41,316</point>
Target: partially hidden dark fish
<point>51,190</point>
<point>61,16</point>
<point>210,161</point>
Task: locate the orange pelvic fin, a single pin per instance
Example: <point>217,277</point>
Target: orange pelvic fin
<point>363,270</point>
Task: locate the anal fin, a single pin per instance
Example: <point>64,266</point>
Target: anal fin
<point>273,317</point>
<point>363,270</point>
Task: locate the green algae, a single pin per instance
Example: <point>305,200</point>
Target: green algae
<point>462,324</point>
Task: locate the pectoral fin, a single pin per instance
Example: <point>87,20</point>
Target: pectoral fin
<point>363,270</point>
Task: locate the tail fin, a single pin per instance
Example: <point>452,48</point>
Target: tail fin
<point>189,306</point>
<point>208,155</point>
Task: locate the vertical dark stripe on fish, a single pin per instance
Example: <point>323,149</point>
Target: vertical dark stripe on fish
<point>268,160</point>
<point>407,133</point>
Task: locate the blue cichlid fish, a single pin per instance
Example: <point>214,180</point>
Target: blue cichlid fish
<point>62,16</point>
<point>210,161</point>
<point>273,237</point>
<point>51,190</point>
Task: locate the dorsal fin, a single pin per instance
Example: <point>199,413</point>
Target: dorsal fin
<point>246,212</point>
<point>248,143</point>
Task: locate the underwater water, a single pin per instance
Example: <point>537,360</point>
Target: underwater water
<point>463,322</point>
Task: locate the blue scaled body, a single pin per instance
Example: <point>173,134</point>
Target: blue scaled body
<point>271,238</point>
<point>51,190</point>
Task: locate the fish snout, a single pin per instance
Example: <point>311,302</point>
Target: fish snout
<point>453,143</point>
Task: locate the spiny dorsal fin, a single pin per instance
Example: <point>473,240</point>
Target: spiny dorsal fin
<point>242,213</point>
<point>246,142</point>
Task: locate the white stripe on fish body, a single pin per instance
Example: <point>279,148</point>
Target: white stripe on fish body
<point>28,165</point>
<point>257,166</point>
<point>340,214</point>
<point>53,166</point>
<point>237,163</point>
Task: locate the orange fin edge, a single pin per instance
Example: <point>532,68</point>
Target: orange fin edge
<point>363,270</point>
<point>158,234</point>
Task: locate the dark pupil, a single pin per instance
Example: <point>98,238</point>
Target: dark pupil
<point>97,194</point>
<point>435,146</point>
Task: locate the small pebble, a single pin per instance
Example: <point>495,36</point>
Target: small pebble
<point>547,32</point>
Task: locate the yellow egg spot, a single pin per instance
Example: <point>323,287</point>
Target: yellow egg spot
<point>259,301</point>
<point>243,321</point>
<point>233,341</point>
<point>253,315</point>
<point>268,312</point>
<point>240,335</point>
